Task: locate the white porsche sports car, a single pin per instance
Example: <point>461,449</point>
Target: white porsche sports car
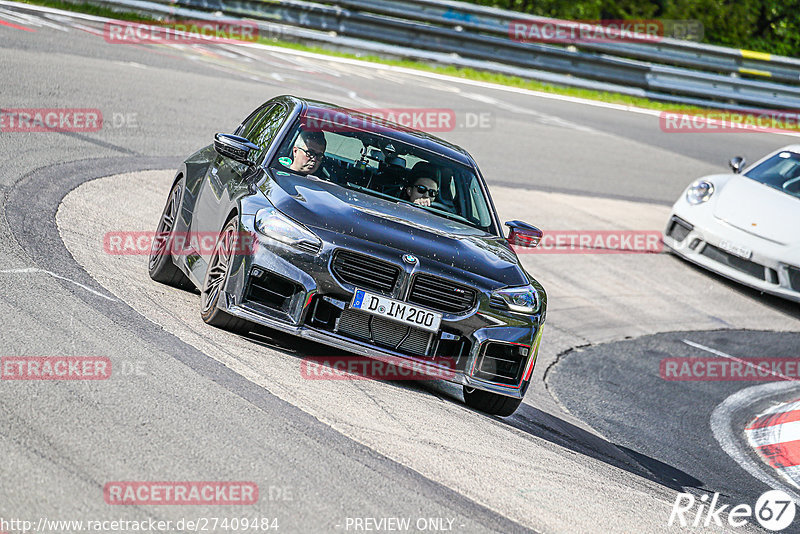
<point>746,225</point>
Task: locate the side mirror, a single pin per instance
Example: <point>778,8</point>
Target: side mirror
<point>234,147</point>
<point>523,234</point>
<point>737,164</point>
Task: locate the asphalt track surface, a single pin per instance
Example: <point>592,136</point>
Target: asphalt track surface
<point>601,444</point>
<point>668,420</point>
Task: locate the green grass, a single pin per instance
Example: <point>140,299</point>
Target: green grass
<point>459,72</point>
<point>91,9</point>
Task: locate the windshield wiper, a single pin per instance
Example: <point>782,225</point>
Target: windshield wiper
<point>437,211</point>
<point>448,215</point>
<point>445,214</point>
<point>368,191</point>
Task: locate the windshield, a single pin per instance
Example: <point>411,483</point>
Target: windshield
<point>781,172</point>
<point>386,168</point>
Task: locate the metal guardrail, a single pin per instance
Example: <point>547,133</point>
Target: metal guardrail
<point>679,52</point>
<point>471,35</point>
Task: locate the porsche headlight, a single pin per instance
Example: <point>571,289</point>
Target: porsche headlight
<point>273,224</point>
<point>523,299</point>
<point>699,192</point>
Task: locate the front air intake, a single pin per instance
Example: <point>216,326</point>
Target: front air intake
<point>271,290</point>
<point>501,363</point>
<point>678,229</point>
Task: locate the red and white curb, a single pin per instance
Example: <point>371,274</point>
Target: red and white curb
<point>775,435</point>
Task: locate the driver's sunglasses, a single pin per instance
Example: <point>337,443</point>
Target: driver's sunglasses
<point>311,154</point>
<point>421,189</point>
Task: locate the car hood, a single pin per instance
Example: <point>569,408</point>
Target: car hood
<point>760,210</point>
<point>455,247</point>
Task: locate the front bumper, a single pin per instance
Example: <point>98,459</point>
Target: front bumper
<point>486,336</point>
<point>699,236</point>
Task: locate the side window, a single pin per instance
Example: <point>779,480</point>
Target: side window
<point>479,210</point>
<point>262,127</point>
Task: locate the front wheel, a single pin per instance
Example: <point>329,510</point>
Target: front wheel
<point>491,403</point>
<point>160,265</point>
<point>216,277</point>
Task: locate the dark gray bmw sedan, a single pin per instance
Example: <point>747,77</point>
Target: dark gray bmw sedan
<point>342,228</point>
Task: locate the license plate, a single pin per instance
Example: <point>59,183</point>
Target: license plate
<point>736,250</point>
<point>401,312</point>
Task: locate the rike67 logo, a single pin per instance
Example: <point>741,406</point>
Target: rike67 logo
<point>774,510</point>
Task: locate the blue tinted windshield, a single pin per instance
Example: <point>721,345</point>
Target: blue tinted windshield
<point>781,172</point>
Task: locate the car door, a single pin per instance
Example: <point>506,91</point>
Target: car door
<point>227,180</point>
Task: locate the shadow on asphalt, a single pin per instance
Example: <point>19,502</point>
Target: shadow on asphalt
<point>527,419</point>
<point>781,305</point>
<point>554,429</point>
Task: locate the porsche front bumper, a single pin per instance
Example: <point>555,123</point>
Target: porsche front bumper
<point>706,241</point>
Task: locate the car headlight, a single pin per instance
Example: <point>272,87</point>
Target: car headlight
<point>518,299</point>
<point>699,192</point>
<point>273,224</point>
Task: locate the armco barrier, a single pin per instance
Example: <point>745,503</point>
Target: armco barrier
<point>469,35</point>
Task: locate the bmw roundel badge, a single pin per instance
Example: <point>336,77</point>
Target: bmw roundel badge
<point>410,259</point>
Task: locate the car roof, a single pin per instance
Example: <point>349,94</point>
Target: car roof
<point>371,123</point>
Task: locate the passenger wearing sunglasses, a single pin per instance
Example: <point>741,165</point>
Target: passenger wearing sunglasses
<point>423,191</point>
<point>307,152</point>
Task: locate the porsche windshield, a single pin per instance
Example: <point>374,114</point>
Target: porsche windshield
<point>781,172</point>
<point>378,165</point>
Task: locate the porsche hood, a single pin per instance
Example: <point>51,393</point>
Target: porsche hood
<point>760,210</point>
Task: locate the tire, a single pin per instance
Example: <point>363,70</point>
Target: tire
<point>216,276</point>
<point>490,403</point>
<point>160,264</point>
